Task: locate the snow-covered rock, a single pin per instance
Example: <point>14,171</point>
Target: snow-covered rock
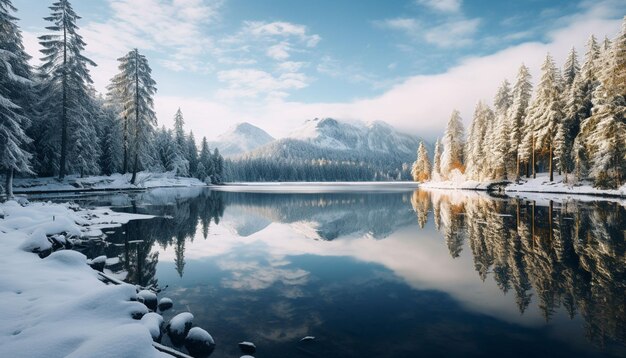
<point>199,342</point>
<point>165,304</point>
<point>149,299</point>
<point>247,347</point>
<point>153,321</point>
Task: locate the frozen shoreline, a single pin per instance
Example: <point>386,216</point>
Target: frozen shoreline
<point>539,185</point>
<point>315,187</point>
<point>58,304</point>
<point>114,182</point>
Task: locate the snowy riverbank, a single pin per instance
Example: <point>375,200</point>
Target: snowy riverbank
<point>57,306</point>
<point>541,184</point>
<point>145,180</point>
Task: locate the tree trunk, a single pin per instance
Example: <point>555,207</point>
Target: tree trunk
<point>64,110</point>
<point>137,129</point>
<point>125,144</point>
<point>517,166</point>
<point>533,159</point>
<point>9,184</point>
<point>550,163</point>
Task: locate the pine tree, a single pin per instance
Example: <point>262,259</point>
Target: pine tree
<point>15,88</point>
<point>218,166</point>
<point>134,89</point>
<point>521,98</point>
<point>207,162</point>
<point>476,163</point>
<point>192,154</point>
<point>421,168</point>
<point>545,114</point>
<point>65,90</point>
<point>608,140</point>
<point>499,141</point>
<point>179,131</point>
<point>579,105</point>
<point>110,141</point>
<point>571,68</point>
<point>436,174</point>
<point>453,143</point>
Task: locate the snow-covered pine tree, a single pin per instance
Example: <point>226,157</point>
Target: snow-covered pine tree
<point>179,131</point>
<point>110,140</point>
<point>218,166</point>
<point>499,148</point>
<point>571,68</point>
<point>579,105</point>
<point>206,160</point>
<point>545,114</point>
<point>436,174</point>
<point>192,154</point>
<point>522,91</point>
<point>15,92</point>
<point>476,163</point>
<point>607,143</point>
<point>65,91</point>
<point>421,168</point>
<point>453,143</point>
<point>134,88</point>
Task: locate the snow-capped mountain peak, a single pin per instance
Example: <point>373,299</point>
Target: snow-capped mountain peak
<point>241,138</point>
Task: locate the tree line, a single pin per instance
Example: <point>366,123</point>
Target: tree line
<point>54,123</point>
<point>574,124</point>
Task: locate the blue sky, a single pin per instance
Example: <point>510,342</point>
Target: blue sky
<point>276,63</point>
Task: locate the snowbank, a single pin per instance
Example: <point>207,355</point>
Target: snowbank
<point>57,306</point>
<point>541,184</point>
<point>101,183</point>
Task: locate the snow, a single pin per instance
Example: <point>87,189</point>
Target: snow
<point>58,304</point>
<point>199,334</point>
<point>153,321</point>
<point>242,138</point>
<point>179,323</point>
<point>95,183</point>
<point>541,184</point>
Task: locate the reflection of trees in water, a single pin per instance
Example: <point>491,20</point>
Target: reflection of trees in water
<point>570,255</point>
<point>176,221</point>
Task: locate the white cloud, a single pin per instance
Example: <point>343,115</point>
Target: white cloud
<point>252,83</point>
<point>279,51</point>
<point>453,33</point>
<point>442,5</point>
<point>420,104</point>
<point>408,25</point>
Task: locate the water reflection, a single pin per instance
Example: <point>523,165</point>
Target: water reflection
<point>385,274</point>
<point>568,254</point>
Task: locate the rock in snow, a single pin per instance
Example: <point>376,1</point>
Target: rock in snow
<point>37,242</point>
<point>149,299</point>
<point>153,321</point>
<point>199,342</point>
<point>98,263</point>
<point>178,327</point>
<point>165,304</point>
<point>247,347</point>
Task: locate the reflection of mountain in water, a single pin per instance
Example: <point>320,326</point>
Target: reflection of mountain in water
<point>569,254</point>
<point>323,216</point>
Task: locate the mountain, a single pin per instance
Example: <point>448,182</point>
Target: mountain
<point>242,138</point>
<point>329,150</point>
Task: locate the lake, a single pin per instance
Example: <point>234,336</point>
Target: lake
<point>402,273</point>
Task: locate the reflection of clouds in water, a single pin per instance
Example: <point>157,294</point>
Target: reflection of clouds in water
<point>253,275</point>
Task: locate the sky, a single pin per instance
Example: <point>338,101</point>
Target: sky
<point>277,63</point>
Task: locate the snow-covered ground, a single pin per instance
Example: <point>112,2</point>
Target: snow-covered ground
<point>93,183</point>
<point>541,184</point>
<point>57,306</point>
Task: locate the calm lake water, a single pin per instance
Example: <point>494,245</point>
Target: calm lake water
<point>399,274</point>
